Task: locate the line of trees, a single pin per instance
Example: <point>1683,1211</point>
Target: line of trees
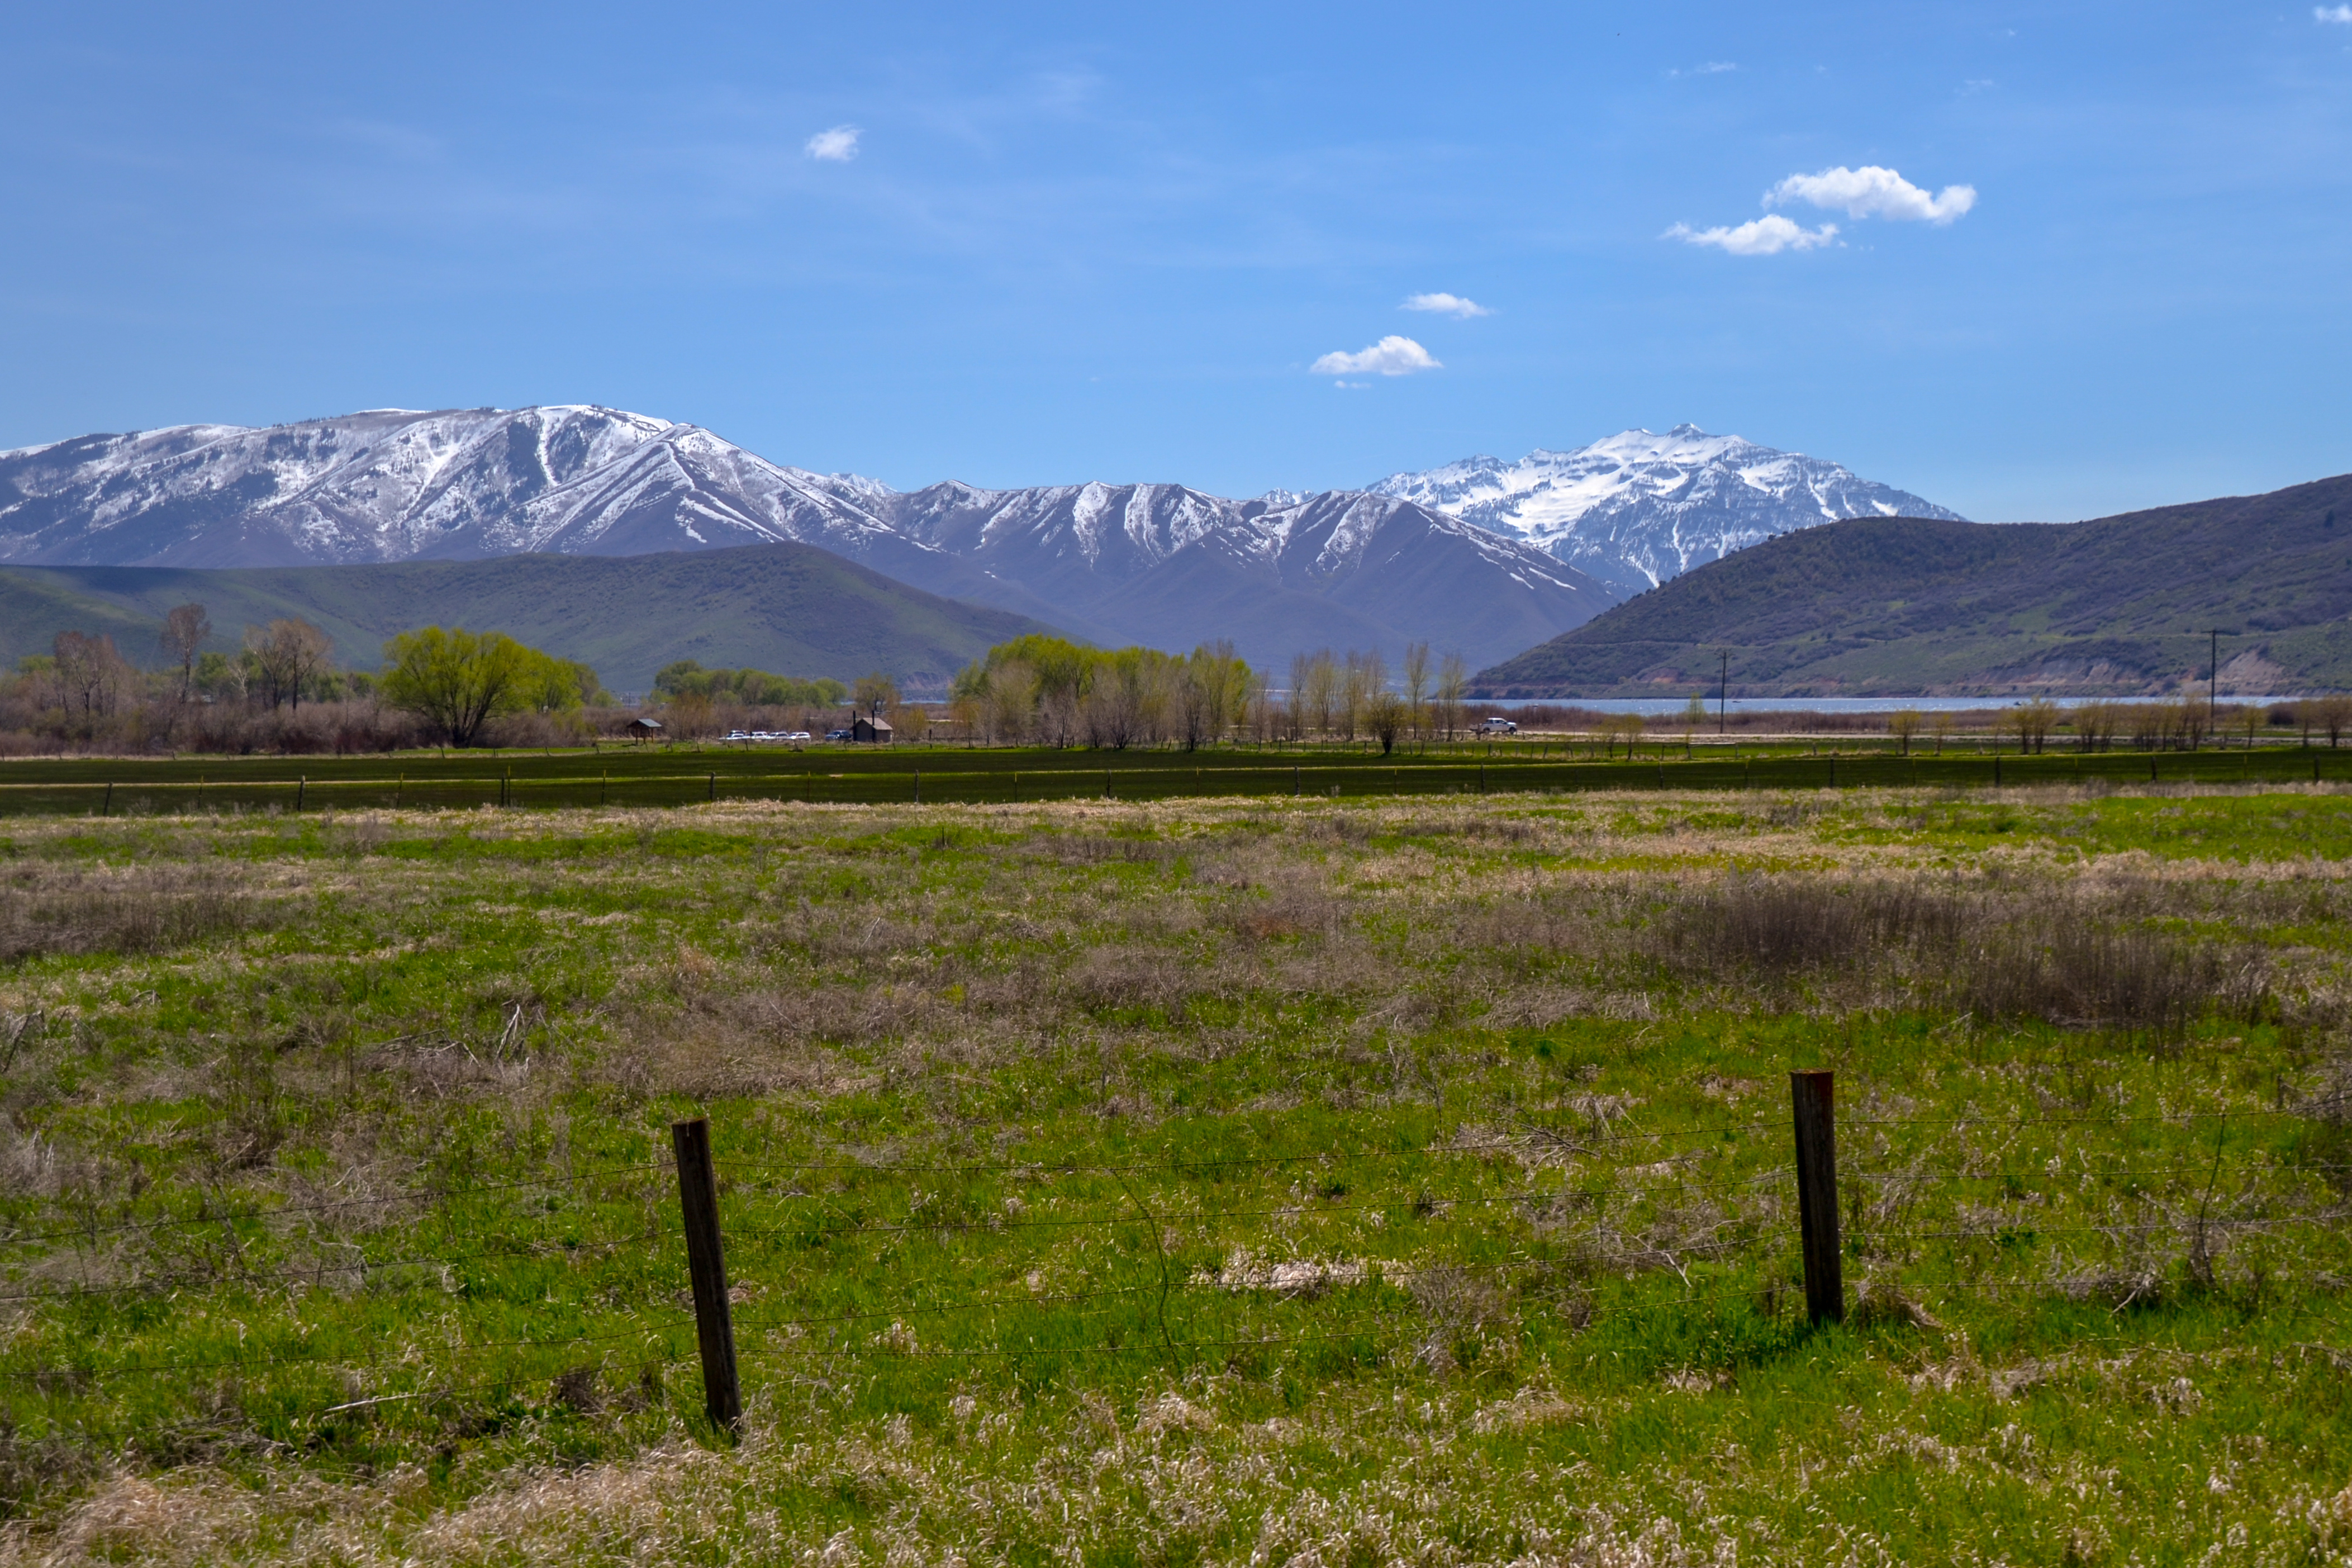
<point>1051,692</point>
<point>1055,692</point>
<point>280,691</point>
<point>746,688</point>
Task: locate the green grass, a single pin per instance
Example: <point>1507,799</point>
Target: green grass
<point>662,776</point>
<point>334,1222</point>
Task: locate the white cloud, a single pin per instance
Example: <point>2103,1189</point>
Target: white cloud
<point>838,145</point>
<point>1712,68</point>
<point>2332,14</point>
<point>1447,305</point>
<point>1392,355</point>
<point>1766,235</point>
<point>1873,192</point>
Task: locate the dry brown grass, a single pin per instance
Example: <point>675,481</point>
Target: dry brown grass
<point>50,908</point>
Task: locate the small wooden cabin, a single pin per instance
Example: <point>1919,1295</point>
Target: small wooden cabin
<point>876,729</point>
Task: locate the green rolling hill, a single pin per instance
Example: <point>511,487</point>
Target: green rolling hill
<point>1909,607</point>
<point>790,609</point>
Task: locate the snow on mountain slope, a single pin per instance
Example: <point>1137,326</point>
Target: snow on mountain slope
<point>1635,509</point>
<point>1154,563</point>
<point>1171,566</point>
<point>393,485</point>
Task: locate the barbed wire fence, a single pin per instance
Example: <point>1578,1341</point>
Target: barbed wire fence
<point>1760,1215</point>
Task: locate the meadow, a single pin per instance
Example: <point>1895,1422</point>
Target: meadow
<point>1260,1178</point>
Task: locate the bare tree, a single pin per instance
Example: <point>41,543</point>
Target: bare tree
<point>1385,716</point>
<point>2031,722</point>
<point>1940,727</point>
<point>1453,685</point>
<point>184,631</point>
<point>2335,716</point>
<point>1264,713</point>
<point>1416,680</point>
<point>2194,716</point>
<point>89,675</point>
<point>1317,700</point>
<point>287,656</point>
<point>1364,677</point>
<point>1903,723</point>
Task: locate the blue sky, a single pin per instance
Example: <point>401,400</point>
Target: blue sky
<point>1071,242</point>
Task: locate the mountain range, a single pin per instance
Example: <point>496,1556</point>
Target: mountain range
<point>1113,564</point>
<point>1480,557</point>
<point>1634,508</point>
<point>1907,606</point>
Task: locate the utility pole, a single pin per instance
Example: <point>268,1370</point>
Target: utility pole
<point>1722,691</point>
<point>2213,679</point>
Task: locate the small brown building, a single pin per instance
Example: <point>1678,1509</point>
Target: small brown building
<point>876,729</point>
<point>645,729</point>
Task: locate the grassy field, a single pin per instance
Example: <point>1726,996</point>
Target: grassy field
<point>1228,1180</point>
<point>667,776</point>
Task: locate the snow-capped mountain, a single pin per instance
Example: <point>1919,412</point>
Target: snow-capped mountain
<point>1172,567</point>
<point>1154,563</point>
<point>391,485</point>
<point>1635,509</point>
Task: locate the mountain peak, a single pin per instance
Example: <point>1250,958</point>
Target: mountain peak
<point>1637,508</point>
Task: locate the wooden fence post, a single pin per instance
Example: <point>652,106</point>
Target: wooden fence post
<point>301,788</point>
<point>706,1262</point>
<point>106,806</point>
<point>1812,1094</point>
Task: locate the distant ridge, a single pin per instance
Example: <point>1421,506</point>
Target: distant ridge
<point>790,608</point>
<point>1913,606</point>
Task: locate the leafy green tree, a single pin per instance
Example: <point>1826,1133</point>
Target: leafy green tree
<point>459,681</point>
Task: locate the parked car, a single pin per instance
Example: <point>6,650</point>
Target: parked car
<point>838,735</point>
<point>1497,725</point>
<point>793,735</point>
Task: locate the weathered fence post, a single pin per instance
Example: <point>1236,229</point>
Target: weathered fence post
<point>706,1262</point>
<point>106,806</point>
<point>1812,1094</point>
<point>301,788</point>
